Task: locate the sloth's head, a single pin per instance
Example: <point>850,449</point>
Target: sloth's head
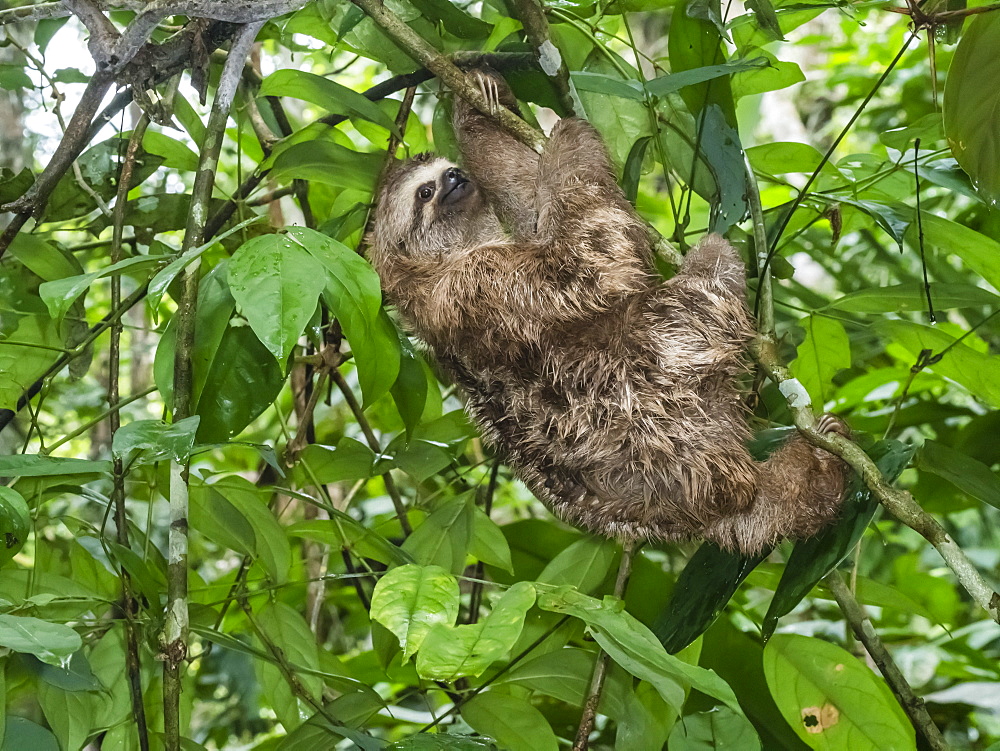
<point>428,205</point>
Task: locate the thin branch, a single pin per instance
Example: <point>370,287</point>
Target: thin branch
<point>130,603</point>
<point>373,444</point>
<point>476,596</point>
<point>593,699</point>
<point>912,704</point>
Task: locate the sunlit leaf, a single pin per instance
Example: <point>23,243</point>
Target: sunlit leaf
<point>831,700</point>
<point>410,600</point>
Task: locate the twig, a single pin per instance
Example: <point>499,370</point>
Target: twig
<point>582,741</point>
<point>415,46</point>
<point>373,444</point>
<point>476,596</point>
<point>175,630</point>
<point>912,704</point>
<point>130,604</point>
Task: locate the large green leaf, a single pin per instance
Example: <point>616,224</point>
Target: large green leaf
<point>976,371</point>
<point>149,441</point>
<point>449,653</point>
<point>52,643</point>
<point>635,648</point>
<point>897,298</point>
<point>824,352</point>
<point>235,377</point>
<point>353,294</point>
<point>276,286</point>
<point>411,600</point>
<point>512,720</point>
<point>831,700</point>
<point>443,538</point>
<point>328,163</point>
<point>961,470</point>
<point>325,93</point>
<point>972,104</point>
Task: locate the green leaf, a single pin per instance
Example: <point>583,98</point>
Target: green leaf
<point>897,298</point>
<point>488,543</point>
<point>235,377</point>
<point>287,631</point>
<point>583,565</point>
<point>710,578</point>
<point>635,648</point>
<point>466,651</point>
<point>175,155</point>
<point>149,441</point>
<point>60,294</point>
<point>453,18</point>
<point>234,512</point>
<point>354,296</point>
<point>411,599</point>
<point>830,699</point>
<point>443,537</point>
<point>52,643</point>
<point>825,351</point>
<point>979,252</point>
<point>14,78</point>
<point>976,371</point>
<point>971,102</point>
<point>24,734</point>
<point>37,465</point>
<point>814,557</point>
<point>13,187</point>
<point>672,82</point>
<point>15,523</point>
<point>720,727</point>
<point>330,95</point>
<point>276,286</point>
<point>621,120</point>
<point>22,363</point>
<point>512,720</point>
<point>328,163</point>
<point>443,742</point>
<point>341,531</point>
<point>968,475</point>
<point>348,460</point>
<point>695,43</point>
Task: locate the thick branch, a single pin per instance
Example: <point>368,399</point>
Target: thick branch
<point>912,704</point>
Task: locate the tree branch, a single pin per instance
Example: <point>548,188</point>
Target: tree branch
<point>175,630</point>
<point>415,46</point>
<point>536,27</point>
<point>912,704</point>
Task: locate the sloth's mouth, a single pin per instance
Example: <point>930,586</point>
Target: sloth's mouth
<point>457,192</point>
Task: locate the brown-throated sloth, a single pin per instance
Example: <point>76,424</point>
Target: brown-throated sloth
<point>612,394</point>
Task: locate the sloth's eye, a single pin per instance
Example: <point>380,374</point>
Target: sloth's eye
<point>426,192</point>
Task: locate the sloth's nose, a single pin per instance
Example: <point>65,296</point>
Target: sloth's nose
<point>454,176</point>
<point>456,186</point>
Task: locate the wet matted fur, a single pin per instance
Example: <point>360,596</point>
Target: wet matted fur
<point>612,394</point>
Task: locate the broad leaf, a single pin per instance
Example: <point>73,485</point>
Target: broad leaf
<point>411,599</point>
<point>831,700</point>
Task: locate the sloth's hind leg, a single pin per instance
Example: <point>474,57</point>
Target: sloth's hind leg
<point>800,493</point>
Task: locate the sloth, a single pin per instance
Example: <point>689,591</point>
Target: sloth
<point>614,396</point>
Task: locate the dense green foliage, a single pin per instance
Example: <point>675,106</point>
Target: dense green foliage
<point>360,570</point>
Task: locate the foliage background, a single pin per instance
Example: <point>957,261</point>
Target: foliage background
<point>312,421</point>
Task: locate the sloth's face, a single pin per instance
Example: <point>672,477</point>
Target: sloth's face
<point>428,205</point>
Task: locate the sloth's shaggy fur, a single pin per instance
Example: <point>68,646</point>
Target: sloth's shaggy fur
<point>613,395</point>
